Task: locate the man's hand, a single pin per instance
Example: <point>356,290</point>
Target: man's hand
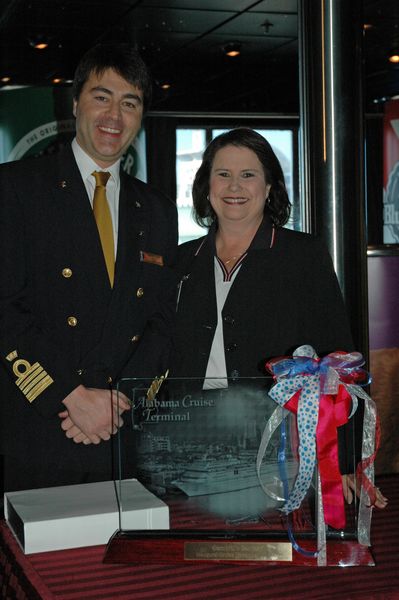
<point>349,486</point>
<point>92,414</point>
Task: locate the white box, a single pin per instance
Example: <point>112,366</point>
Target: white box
<point>81,515</point>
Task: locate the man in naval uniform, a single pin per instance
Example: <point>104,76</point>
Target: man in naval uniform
<point>73,320</point>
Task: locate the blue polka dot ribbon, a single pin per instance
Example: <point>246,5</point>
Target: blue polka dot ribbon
<point>306,421</point>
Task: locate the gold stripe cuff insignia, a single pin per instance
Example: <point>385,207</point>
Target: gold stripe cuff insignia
<point>32,380</point>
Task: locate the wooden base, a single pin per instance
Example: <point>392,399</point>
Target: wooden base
<point>186,546</point>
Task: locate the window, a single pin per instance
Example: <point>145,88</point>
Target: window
<point>190,144</point>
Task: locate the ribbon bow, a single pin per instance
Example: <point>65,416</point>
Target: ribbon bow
<point>323,393</point>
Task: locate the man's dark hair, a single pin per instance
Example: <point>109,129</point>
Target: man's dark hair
<point>123,59</point>
<point>278,204</point>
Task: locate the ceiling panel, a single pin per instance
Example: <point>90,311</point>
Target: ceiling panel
<point>263,25</point>
<point>182,40</point>
<point>277,6</point>
<point>165,19</point>
<point>203,5</point>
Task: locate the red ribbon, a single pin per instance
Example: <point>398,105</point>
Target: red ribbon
<point>333,412</point>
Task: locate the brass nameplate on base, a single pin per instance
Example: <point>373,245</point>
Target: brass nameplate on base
<point>184,546</point>
<point>240,551</point>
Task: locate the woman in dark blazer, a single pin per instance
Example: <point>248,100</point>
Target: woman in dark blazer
<point>278,286</point>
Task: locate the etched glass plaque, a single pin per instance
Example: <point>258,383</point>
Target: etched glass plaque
<point>224,459</point>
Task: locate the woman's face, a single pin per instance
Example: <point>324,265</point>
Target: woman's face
<point>237,186</point>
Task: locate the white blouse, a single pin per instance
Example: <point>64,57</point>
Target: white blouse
<point>216,373</point>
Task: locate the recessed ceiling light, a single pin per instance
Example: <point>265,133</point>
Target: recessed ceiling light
<point>39,41</point>
<point>232,49</point>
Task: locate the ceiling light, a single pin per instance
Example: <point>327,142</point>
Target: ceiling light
<point>232,49</point>
<point>394,56</point>
<point>39,41</point>
<point>58,80</point>
<point>5,79</point>
<point>165,86</point>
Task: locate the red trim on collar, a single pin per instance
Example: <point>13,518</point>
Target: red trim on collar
<point>200,246</point>
<point>226,274</point>
<point>273,238</point>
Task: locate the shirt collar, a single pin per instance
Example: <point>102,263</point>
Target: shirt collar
<point>264,237</point>
<point>87,165</point>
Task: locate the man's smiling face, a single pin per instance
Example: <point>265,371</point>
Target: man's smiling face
<point>108,115</point>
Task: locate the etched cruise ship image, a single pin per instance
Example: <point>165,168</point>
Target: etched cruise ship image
<point>215,475</point>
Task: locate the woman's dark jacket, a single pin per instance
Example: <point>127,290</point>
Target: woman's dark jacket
<point>285,295</point>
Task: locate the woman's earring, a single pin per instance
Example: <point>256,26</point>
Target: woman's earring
<point>268,199</point>
<point>207,197</point>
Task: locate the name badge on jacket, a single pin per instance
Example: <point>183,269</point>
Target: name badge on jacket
<point>149,257</point>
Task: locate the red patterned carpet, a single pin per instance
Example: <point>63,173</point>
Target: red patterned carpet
<point>78,574</point>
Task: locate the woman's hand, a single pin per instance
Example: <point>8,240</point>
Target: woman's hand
<point>349,486</point>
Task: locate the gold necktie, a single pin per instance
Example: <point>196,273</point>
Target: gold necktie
<point>103,218</point>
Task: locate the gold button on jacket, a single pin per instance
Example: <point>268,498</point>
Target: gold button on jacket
<point>72,321</point>
<point>140,292</point>
<point>135,338</point>
<point>67,273</point>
